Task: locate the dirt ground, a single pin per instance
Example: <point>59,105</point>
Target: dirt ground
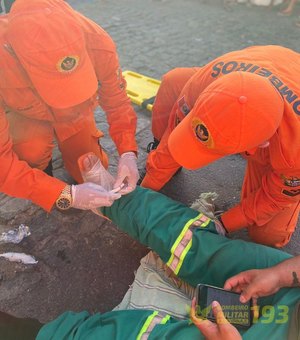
<point>84,262</point>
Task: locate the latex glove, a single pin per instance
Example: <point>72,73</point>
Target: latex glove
<point>88,196</point>
<point>93,171</point>
<point>127,173</point>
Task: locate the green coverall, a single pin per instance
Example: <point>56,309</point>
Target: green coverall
<point>205,257</point>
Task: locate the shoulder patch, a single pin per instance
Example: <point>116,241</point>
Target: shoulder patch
<point>291,193</point>
<point>291,181</point>
<point>183,106</point>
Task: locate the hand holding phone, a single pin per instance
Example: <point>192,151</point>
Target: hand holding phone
<point>222,329</point>
<point>255,283</point>
<point>237,313</point>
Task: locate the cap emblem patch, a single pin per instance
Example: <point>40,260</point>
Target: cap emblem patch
<point>68,63</point>
<point>202,132</point>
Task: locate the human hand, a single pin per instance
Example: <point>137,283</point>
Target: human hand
<point>90,168</point>
<point>215,331</point>
<point>88,196</point>
<point>127,173</point>
<point>254,283</point>
<point>93,171</point>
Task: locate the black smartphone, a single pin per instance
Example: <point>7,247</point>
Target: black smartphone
<point>237,313</point>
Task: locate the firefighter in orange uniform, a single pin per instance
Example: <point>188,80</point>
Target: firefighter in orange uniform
<point>244,102</point>
<point>56,67</point>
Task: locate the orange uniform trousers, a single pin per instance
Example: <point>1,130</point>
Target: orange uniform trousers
<point>33,142</point>
<point>276,232</point>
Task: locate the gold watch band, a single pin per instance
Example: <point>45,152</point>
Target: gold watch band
<point>64,200</point>
<point>66,190</point>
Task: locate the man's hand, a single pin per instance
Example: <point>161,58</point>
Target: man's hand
<point>90,168</point>
<point>215,331</point>
<point>93,171</point>
<point>88,196</point>
<point>254,283</point>
<point>127,173</point>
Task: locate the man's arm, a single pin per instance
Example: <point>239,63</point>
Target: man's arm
<point>112,95</point>
<point>289,272</point>
<point>120,115</point>
<point>251,284</point>
<point>160,165</point>
<point>264,282</point>
<point>18,179</point>
<point>168,228</point>
<point>262,205</point>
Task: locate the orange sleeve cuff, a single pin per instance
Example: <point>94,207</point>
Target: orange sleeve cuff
<point>150,184</point>
<point>234,219</point>
<point>47,192</point>
<point>125,143</point>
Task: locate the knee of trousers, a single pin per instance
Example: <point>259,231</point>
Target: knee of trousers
<point>271,237</point>
<point>279,230</point>
<point>36,153</point>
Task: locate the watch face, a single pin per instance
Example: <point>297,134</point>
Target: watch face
<point>63,203</point>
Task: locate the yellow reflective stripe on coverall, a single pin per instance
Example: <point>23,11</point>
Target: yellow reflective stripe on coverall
<point>183,242</point>
<point>154,319</point>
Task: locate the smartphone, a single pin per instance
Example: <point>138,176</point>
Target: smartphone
<point>237,313</point>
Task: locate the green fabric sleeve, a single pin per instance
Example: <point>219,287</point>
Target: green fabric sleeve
<point>64,327</point>
<point>82,326</point>
<point>151,218</point>
<point>156,221</point>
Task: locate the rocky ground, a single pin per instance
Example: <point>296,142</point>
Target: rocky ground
<point>84,262</point>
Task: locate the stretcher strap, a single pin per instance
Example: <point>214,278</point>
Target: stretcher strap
<point>154,319</point>
<point>183,242</point>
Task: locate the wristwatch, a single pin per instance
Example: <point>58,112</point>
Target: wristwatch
<point>64,200</point>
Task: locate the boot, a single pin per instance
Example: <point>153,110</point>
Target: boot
<point>49,169</point>
<point>152,145</point>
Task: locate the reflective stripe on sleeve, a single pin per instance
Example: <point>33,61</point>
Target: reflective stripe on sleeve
<point>183,242</point>
<point>154,319</point>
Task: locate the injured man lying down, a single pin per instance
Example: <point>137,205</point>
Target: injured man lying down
<point>187,250</point>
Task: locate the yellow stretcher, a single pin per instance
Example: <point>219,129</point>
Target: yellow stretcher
<point>141,89</point>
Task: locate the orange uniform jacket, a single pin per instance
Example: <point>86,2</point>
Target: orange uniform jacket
<point>280,187</point>
<point>17,94</point>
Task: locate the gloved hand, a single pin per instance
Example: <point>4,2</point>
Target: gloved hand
<point>90,167</point>
<point>127,173</point>
<point>88,196</point>
<point>93,171</point>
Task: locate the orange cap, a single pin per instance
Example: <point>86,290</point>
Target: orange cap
<point>236,112</point>
<point>50,45</point>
